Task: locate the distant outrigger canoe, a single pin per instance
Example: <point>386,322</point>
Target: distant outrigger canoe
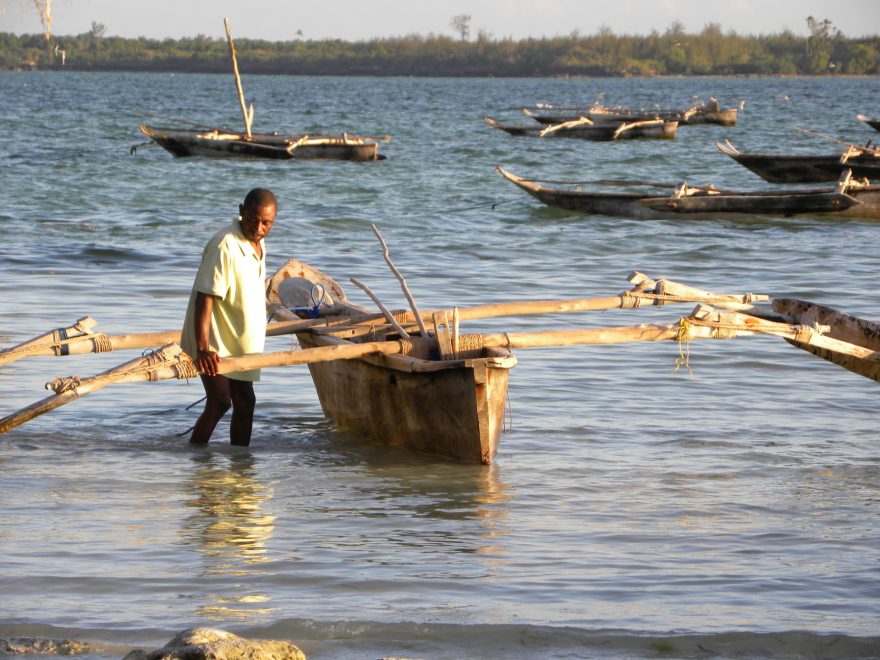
<point>805,168</point>
<point>710,113</point>
<point>847,199</point>
<point>586,129</point>
<point>219,143</point>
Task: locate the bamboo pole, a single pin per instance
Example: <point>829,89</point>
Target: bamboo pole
<point>673,294</point>
<point>51,343</point>
<point>247,116</point>
<point>666,292</point>
<point>704,323</point>
<point>170,362</point>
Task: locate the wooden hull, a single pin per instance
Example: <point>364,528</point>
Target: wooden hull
<point>224,144</point>
<point>844,327</point>
<point>864,202</point>
<point>456,412</point>
<point>449,408</point>
<point>777,168</point>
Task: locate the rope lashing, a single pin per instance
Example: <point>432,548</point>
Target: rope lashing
<point>803,333</point>
<point>313,311</point>
<point>631,300</point>
<point>683,338</point>
<point>60,339</point>
<point>185,367</point>
<point>64,384</point>
<point>472,342</point>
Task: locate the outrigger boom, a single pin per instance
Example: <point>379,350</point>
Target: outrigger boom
<point>356,336</point>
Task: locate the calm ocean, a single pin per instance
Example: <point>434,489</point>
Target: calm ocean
<point>634,511</point>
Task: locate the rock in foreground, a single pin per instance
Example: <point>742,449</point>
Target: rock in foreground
<point>212,644</point>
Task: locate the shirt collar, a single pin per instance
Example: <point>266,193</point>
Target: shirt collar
<point>246,247</point>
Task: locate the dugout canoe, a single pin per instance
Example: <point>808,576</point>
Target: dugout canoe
<point>847,199</point>
<point>688,117</point>
<point>451,408</point>
<point>220,143</point>
<point>585,129</point>
<point>851,329</point>
<point>803,168</point>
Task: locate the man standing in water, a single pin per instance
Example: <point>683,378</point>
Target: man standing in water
<point>226,316</point>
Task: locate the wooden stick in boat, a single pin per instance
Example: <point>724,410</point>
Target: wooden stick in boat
<point>248,116</point>
<point>388,315</point>
<point>456,321</point>
<point>402,280</point>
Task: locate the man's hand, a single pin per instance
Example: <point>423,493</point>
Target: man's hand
<point>208,362</point>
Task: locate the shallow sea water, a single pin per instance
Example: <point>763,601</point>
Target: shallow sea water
<point>634,510</point>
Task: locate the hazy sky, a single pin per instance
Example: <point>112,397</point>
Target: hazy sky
<point>279,20</point>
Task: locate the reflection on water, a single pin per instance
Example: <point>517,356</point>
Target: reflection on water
<point>229,527</point>
<point>444,508</point>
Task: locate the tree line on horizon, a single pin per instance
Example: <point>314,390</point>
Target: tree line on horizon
<point>825,50</point>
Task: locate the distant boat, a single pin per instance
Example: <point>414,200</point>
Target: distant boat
<point>848,198</point>
<point>706,113</point>
<point>805,168</point>
<point>223,143</point>
<point>219,143</point>
<point>870,121</point>
<point>586,129</point>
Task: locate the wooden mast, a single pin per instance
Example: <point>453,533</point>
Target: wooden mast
<point>247,115</point>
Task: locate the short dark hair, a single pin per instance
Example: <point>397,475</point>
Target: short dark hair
<point>260,197</point>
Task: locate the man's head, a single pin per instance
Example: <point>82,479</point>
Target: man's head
<point>258,213</point>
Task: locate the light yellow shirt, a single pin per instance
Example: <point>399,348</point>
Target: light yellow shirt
<point>231,271</point>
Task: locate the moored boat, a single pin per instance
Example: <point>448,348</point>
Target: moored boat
<point>586,129</point>
<point>848,199</point>
<point>219,143</point>
<point>804,168</point>
<point>452,408</point>
<point>707,113</point>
